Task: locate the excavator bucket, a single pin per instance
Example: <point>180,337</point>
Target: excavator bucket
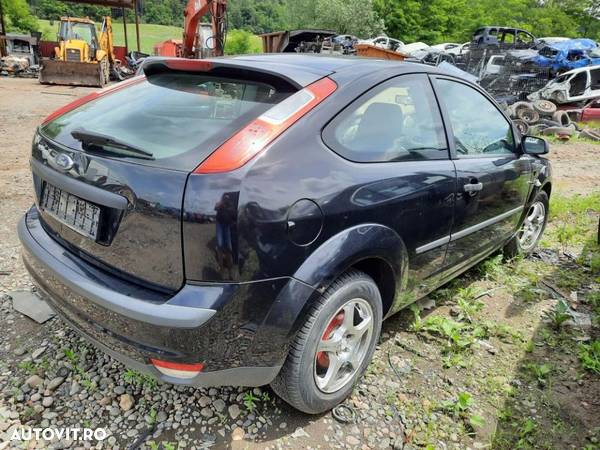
<point>72,73</point>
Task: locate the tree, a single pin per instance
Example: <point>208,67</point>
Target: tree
<point>435,21</point>
<point>18,16</point>
<point>349,17</point>
<point>241,42</point>
<point>157,13</point>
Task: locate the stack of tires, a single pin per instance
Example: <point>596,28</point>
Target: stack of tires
<point>542,117</point>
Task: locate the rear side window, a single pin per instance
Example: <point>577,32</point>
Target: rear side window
<point>181,118</point>
<point>397,121</point>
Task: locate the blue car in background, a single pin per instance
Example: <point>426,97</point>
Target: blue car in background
<point>568,55</point>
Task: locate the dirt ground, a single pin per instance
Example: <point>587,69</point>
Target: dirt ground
<point>408,398</point>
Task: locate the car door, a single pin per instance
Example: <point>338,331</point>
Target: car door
<point>493,176</point>
<point>594,81</point>
<point>579,86</point>
<point>591,112</point>
<point>394,136</point>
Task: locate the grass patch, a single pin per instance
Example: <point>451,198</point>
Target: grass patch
<point>238,41</point>
<point>573,221</point>
<point>150,34</point>
<point>139,379</point>
<point>589,355</point>
<point>573,139</point>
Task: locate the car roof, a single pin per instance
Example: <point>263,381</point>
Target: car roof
<point>581,69</point>
<point>298,69</point>
<point>327,65</point>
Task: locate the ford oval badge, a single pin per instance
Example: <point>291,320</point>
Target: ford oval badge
<point>63,161</point>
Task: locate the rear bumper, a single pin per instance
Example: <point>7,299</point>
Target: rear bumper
<point>236,330</point>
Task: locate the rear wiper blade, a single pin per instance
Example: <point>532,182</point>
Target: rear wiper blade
<point>104,141</point>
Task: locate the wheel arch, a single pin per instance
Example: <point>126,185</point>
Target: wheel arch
<point>374,249</point>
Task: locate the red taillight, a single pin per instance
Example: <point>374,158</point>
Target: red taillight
<point>254,137</point>
<point>92,96</point>
<point>178,370</point>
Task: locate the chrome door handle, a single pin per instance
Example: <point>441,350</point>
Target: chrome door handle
<point>473,187</point>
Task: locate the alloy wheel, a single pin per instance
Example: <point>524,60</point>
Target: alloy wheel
<point>343,345</point>
<point>532,226</point>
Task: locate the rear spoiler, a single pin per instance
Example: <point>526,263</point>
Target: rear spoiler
<point>296,77</point>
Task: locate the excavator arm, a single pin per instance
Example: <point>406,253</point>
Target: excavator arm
<point>105,40</point>
<point>194,11</point>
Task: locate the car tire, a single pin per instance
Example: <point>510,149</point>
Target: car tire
<point>304,381</point>
<point>522,126</point>
<point>561,117</point>
<point>544,107</point>
<point>534,223</point>
<point>528,115</point>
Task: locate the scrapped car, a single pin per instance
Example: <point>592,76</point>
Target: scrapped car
<point>590,112</point>
<point>502,37</point>
<point>460,50</point>
<point>573,86</point>
<point>446,46</point>
<point>415,47</point>
<point>567,55</point>
<point>252,220</point>
<point>384,42</point>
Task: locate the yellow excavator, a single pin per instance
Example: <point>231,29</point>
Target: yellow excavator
<point>83,57</point>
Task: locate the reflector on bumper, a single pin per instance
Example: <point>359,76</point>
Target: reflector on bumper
<point>177,370</point>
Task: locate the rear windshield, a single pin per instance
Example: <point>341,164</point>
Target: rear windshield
<point>180,118</point>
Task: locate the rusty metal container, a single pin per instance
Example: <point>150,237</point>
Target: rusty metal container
<point>371,51</point>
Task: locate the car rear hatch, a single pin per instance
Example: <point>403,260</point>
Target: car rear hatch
<point>110,171</point>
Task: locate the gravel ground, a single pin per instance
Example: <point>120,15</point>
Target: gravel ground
<point>413,395</point>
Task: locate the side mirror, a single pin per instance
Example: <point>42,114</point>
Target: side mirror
<point>533,145</point>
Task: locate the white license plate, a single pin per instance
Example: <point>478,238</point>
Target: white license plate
<point>78,214</point>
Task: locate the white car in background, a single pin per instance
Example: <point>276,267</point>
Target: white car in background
<point>409,49</point>
<point>576,85</point>
<point>384,42</point>
<point>446,46</point>
<point>461,49</point>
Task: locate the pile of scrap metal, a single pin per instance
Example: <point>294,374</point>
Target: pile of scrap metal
<point>22,55</point>
<point>543,117</point>
<point>299,41</point>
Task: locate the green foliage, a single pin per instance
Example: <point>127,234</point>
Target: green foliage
<point>430,21</point>
<point>526,432</point>
<point>250,401</point>
<point>417,324</point>
<point>559,315</point>
<point>349,17</point>
<point>540,372</point>
<point>462,403</point>
<point>461,407</point>
<point>18,17</point>
<point>71,355</point>
<point>242,42</point>
<point>139,379</point>
<point>436,21</point>
<point>589,355</point>
<point>27,366</point>
<point>457,335</point>
<point>467,303</point>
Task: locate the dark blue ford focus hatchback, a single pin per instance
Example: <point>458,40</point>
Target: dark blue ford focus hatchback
<point>252,220</point>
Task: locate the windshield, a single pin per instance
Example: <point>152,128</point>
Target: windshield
<point>78,31</point>
<point>179,118</point>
